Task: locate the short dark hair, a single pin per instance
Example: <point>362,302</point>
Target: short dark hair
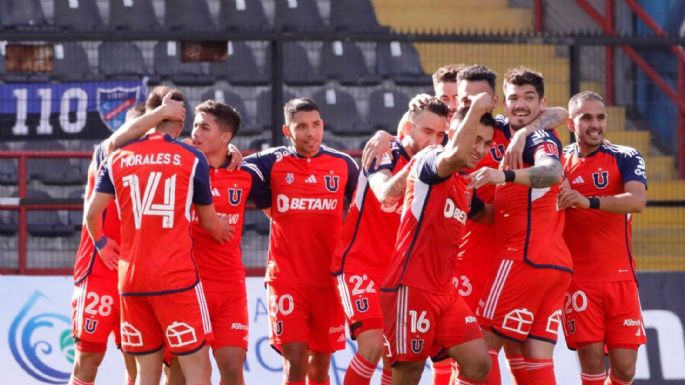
<point>296,105</point>
<point>486,119</point>
<point>520,76</point>
<point>226,116</point>
<point>157,94</point>
<point>582,96</point>
<point>447,73</point>
<point>478,72</point>
<point>430,104</point>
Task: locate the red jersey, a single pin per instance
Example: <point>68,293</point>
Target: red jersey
<point>479,242</point>
<point>529,226</point>
<point>600,241</point>
<point>370,229</point>
<point>306,197</point>
<point>87,261</point>
<point>433,218</point>
<point>221,265</point>
<point>156,180</point>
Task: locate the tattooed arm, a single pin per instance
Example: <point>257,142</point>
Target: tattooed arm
<point>389,189</point>
<point>549,118</point>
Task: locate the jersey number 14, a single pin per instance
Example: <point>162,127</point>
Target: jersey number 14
<point>143,205</point>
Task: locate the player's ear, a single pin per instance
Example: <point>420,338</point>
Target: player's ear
<point>495,99</point>
<point>286,131</point>
<point>569,125</point>
<point>226,137</point>
<point>408,127</point>
<point>543,102</point>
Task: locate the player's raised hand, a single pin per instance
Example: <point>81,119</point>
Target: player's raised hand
<point>375,148</point>
<point>485,176</point>
<point>235,156</point>
<point>482,102</point>
<point>172,109</point>
<point>569,198</point>
<point>513,155</point>
<point>109,253</point>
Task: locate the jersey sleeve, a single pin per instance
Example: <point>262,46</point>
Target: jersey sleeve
<point>427,167</point>
<point>389,161</point>
<point>632,166</point>
<point>541,145</point>
<point>104,183</point>
<point>202,192</point>
<point>259,167</point>
<point>352,177</point>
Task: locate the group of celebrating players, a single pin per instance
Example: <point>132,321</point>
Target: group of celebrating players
<point>461,235</point>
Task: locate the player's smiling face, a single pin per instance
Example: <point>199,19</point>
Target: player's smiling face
<point>589,123</point>
<point>447,93</point>
<point>207,136</point>
<point>522,104</point>
<point>483,141</point>
<point>305,132</point>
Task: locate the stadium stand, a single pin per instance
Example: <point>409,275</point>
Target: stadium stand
<point>136,15</point>
<point>242,15</point>
<point>297,67</point>
<point>22,14</point>
<point>169,66</point>
<point>121,60</point>
<point>81,15</point>
<point>386,108</point>
<point>52,171</point>
<point>298,15</point>
<point>45,223</point>
<point>354,15</point>
<point>240,67</point>
<point>8,169</point>
<point>344,62</point>
<point>339,111</point>
<point>400,62</point>
<point>71,63</point>
<point>264,109</point>
<point>248,125</point>
<point>188,15</point>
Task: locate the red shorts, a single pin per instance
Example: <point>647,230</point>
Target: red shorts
<point>359,295</point>
<point>178,320</point>
<point>421,324</point>
<point>522,302</point>
<point>606,312</point>
<point>228,313</point>
<point>472,276</point>
<point>306,314</point>
<point>95,311</point>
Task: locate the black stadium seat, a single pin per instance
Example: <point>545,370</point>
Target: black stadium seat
<point>344,62</point>
<point>168,65</point>
<point>132,15</point>
<point>51,171</point>
<point>242,15</point>
<point>386,108</point>
<point>264,109</point>
<point>121,60</point>
<point>339,112</point>
<point>71,63</point>
<point>248,126</point>
<point>399,61</point>
<point>354,15</point>
<point>240,68</point>
<point>297,69</point>
<point>44,223</point>
<point>187,15</point>
<point>22,14</point>
<point>8,169</point>
<point>298,15</point>
<point>76,217</point>
<point>77,15</point>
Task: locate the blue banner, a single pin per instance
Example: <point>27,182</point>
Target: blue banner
<point>66,110</point>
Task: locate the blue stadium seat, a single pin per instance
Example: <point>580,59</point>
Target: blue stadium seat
<point>22,14</point>
<point>399,61</point>
<point>77,15</point>
<point>345,63</point>
<point>184,15</point>
<point>71,63</point>
<point>240,68</point>
<point>386,108</point>
<point>355,15</point>
<point>242,15</point>
<point>134,15</point>
<point>169,66</point>
<point>264,109</point>
<point>44,223</point>
<point>339,112</point>
<point>248,125</point>
<point>298,15</point>
<point>121,60</point>
<point>297,69</point>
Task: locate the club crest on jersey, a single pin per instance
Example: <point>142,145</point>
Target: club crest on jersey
<point>362,304</point>
<point>497,152</point>
<point>234,196</point>
<point>289,178</point>
<point>417,345</point>
<point>600,178</point>
<point>331,182</point>
<point>90,325</point>
<point>278,328</point>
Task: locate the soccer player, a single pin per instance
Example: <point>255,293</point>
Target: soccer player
<point>424,315</point>
<point>156,180</point>
<point>522,301</point>
<point>95,303</point>
<point>220,265</point>
<point>306,188</point>
<point>605,184</point>
<point>368,238</point>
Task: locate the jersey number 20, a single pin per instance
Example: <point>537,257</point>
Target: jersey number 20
<point>143,205</point>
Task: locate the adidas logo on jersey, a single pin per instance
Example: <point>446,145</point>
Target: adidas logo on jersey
<point>579,180</point>
<point>310,179</point>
